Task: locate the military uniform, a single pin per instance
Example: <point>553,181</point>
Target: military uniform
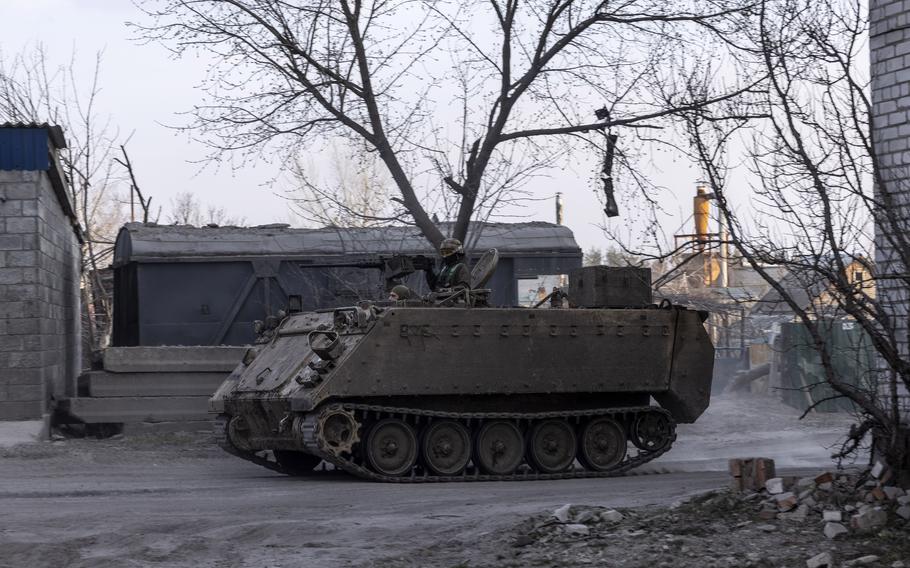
<point>450,276</point>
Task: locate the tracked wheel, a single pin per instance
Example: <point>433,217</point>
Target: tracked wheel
<point>552,446</point>
<point>391,447</point>
<point>498,447</point>
<point>296,463</point>
<point>446,447</point>
<point>339,430</point>
<point>651,431</point>
<point>603,444</point>
<point>238,433</point>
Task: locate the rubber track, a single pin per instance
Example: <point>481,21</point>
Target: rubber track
<point>221,437</point>
<point>344,464</point>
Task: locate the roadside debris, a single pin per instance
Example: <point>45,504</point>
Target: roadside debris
<point>843,503</point>
<point>821,560</point>
<point>828,520</point>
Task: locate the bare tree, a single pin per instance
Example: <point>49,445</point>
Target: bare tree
<point>145,203</point>
<point>592,257</point>
<point>520,80</point>
<point>820,203</point>
<point>33,90</point>
<point>353,191</point>
<point>185,209</point>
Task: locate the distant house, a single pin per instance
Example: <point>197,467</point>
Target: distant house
<point>810,291</point>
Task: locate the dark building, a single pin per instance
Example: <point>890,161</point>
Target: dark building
<point>39,274</point>
<point>179,285</point>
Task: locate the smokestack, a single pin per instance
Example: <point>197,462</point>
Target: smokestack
<point>559,208</point>
<point>724,275</point>
<point>701,211</point>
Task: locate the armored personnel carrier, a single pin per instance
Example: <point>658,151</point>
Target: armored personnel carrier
<point>450,389</point>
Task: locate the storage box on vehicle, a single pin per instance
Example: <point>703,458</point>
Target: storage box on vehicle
<point>610,287</point>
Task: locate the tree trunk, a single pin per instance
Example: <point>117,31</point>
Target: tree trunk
<point>894,450</point>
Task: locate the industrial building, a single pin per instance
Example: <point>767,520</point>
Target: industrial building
<point>182,285</point>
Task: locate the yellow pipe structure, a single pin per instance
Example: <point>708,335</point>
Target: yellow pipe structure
<point>701,212</point>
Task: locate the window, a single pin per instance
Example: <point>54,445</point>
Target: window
<point>533,290</point>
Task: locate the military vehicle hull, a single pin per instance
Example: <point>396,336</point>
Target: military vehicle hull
<point>417,393</point>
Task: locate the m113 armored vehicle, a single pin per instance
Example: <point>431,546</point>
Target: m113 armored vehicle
<point>450,389</point>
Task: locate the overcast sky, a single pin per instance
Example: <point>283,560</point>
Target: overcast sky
<point>144,90</point>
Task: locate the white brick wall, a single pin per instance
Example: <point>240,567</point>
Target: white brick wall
<point>40,334</point>
<point>890,63</point>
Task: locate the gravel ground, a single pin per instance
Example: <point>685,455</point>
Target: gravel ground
<point>176,500</point>
<point>715,529</point>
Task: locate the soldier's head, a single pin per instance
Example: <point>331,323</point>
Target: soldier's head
<point>399,292</point>
<point>451,249</point>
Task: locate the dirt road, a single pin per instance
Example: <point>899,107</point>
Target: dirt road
<point>179,501</point>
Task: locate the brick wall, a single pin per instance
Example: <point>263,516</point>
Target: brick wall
<point>890,59</point>
<point>39,296</point>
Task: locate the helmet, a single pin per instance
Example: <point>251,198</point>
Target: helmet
<point>450,247</point>
<point>400,292</point>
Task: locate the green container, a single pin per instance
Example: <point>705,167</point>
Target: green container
<point>803,379</point>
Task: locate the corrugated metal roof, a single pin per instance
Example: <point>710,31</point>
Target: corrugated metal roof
<point>141,242</point>
<point>27,146</point>
<point>23,149</point>
<point>32,147</point>
<point>55,132</point>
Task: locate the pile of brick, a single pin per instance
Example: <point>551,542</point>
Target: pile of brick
<point>841,503</point>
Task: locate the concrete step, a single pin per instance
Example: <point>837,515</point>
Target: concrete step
<point>104,384</point>
<point>195,426</point>
<point>165,359</point>
<point>137,409</point>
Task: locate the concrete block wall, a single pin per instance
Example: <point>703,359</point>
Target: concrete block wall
<point>889,45</point>
<point>39,297</point>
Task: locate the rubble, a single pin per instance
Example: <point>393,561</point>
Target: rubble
<point>826,477</point>
<point>822,560</point>
<point>892,492</point>
<point>749,528</point>
<point>775,486</point>
<point>751,473</point>
<point>577,529</point>
<point>827,497</point>
<point>877,494</point>
<point>832,516</point>
<point>862,560</point>
<point>585,517</point>
<point>562,514</point>
<point>877,470</point>
<point>574,520</point>
<point>800,514</point>
<point>834,530</point>
<point>611,516</point>
<point>786,501</point>
<point>868,520</point>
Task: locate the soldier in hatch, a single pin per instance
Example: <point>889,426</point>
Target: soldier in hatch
<point>454,272</point>
<point>399,293</point>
